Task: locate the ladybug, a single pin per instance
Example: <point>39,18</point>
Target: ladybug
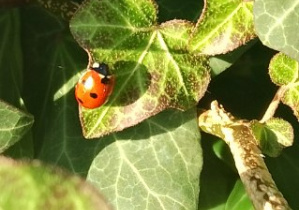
<point>94,86</point>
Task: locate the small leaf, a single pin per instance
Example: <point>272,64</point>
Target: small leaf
<point>13,125</point>
<point>39,187</point>
<point>284,72</point>
<point>273,136</point>
<point>155,165</point>
<point>152,66</point>
<point>277,25</point>
<point>223,27</point>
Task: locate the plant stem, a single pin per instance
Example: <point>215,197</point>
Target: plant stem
<point>248,158</point>
<point>274,104</point>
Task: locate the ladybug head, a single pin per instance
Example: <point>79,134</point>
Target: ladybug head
<point>101,68</point>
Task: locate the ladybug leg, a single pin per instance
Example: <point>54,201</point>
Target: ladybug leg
<point>105,80</point>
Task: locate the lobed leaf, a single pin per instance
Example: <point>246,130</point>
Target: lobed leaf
<point>155,165</point>
<point>14,124</point>
<point>39,187</point>
<point>153,68</point>
<point>223,27</point>
<point>283,71</point>
<point>277,25</point>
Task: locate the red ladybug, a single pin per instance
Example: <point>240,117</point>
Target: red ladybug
<point>94,86</point>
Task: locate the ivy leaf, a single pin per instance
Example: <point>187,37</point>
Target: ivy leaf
<point>57,133</point>
<point>153,68</point>
<point>238,198</point>
<point>223,27</point>
<point>273,136</point>
<point>12,77</point>
<point>283,71</point>
<point>277,25</point>
<point>154,165</point>
<point>37,187</point>
<point>14,124</point>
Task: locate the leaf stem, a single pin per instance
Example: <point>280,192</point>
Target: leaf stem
<point>248,158</point>
<point>274,104</point>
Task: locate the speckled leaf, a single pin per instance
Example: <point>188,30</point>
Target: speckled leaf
<point>283,71</point>
<point>273,136</point>
<point>277,25</point>
<point>39,187</point>
<point>153,69</point>
<point>14,124</point>
<point>154,165</point>
<point>223,27</point>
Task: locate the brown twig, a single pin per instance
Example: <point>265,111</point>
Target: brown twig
<point>248,158</point>
<point>274,104</point>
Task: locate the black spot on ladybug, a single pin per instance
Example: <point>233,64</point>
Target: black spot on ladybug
<point>83,81</point>
<point>93,95</point>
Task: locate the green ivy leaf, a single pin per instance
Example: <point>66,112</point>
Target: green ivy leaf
<point>13,125</point>
<point>57,62</point>
<point>153,68</point>
<point>154,165</point>
<point>223,27</point>
<point>39,187</point>
<point>273,136</point>
<point>283,71</point>
<point>11,74</point>
<point>277,25</point>
<point>10,70</point>
<point>238,198</point>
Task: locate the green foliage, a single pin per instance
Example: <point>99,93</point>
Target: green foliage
<point>160,159</point>
<point>238,198</point>
<point>13,126</point>
<point>284,71</point>
<point>223,26</point>
<point>277,25</point>
<point>39,187</point>
<point>273,135</point>
<point>153,68</point>
<point>162,56</point>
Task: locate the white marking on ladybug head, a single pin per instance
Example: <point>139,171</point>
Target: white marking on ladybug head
<point>95,65</point>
